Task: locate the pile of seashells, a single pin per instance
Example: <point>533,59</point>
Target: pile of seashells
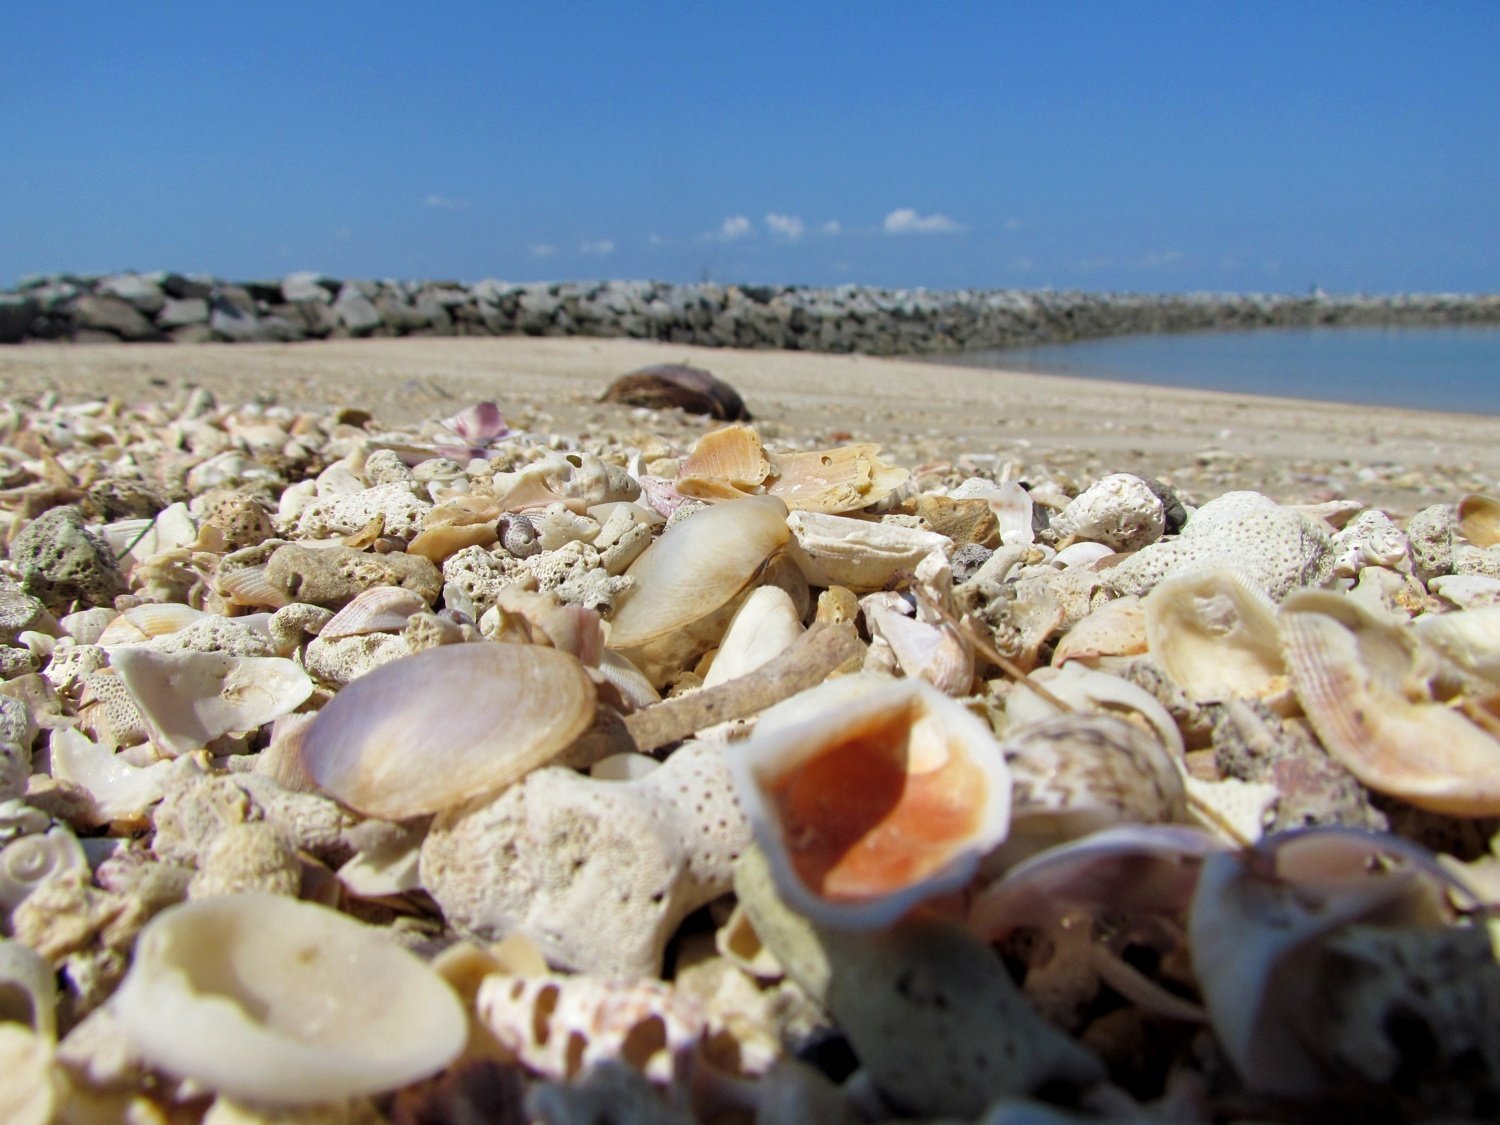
<point>467,774</point>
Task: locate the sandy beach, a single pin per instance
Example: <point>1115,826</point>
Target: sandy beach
<point>1203,442</point>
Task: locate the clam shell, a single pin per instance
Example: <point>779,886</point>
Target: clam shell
<point>1117,628</point>
<point>1215,633</point>
<point>143,622</point>
<point>864,555</point>
<point>432,730</point>
<point>696,567</point>
<point>1353,679</point>
<point>869,795</point>
<point>765,625</point>
<point>188,699</point>
<point>1479,520</point>
<point>281,1002</point>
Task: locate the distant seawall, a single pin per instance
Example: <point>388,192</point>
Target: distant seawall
<point>172,307</point>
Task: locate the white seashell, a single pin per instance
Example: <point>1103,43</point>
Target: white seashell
<point>1012,505</point>
<point>1082,553</point>
<point>936,653</point>
<point>623,767</point>
<point>391,869</point>
<point>1353,674</point>
<point>1076,774</point>
<point>1117,628</point>
<point>1119,511</point>
<point>1088,689</point>
<point>379,609</point>
<point>1469,637</point>
<point>1215,634</point>
<point>281,1002</point>
<point>1479,520</point>
<point>28,989</point>
<point>1243,806</point>
<point>869,795</point>
<point>120,791</point>
<point>188,699</point>
<point>87,625</point>
<point>862,555</point>
<point>28,862</point>
<point>556,525</point>
<point>697,567</point>
<point>633,686</point>
<point>1257,920</point>
<point>1467,591</point>
<point>142,623</point>
<point>765,625</point>
<point>446,725</point>
<point>36,1086</point>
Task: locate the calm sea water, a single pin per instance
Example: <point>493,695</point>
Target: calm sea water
<point>1452,369</point>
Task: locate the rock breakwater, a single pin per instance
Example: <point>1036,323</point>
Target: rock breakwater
<point>304,306</point>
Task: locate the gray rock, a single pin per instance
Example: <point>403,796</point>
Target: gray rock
<point>312,287</point>
<point>180,312</point>
<point>186,288</point>
<point>112,315</point>
<point>140,292</point>
<point>236,298</point>
<point>16,316</point>
<point>356,312</point>
<point>331,576</point>
<point>229,323</point>
<point>400,317</point>
<point>62,562</point>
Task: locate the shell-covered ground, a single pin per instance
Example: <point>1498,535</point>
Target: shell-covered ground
<point>650,767</point>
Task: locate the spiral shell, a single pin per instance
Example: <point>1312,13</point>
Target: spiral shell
<point>27,863</point>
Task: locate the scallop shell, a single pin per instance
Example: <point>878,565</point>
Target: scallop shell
<point>864,555</point>
<point>869,795</point>
<point>281,1002</point>
<point>379,609</point>
<point>26,863</point>
<point>432,730</point>
<point>1354,677</point>
<point>188,699</point>
<point>1479,520</point>
<point>697,567</point>
<point>1215,634</point>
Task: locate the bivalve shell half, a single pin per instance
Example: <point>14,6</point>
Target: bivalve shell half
<point>697,567</point>
<point>869,795</point>
<point>1348,676</point>
<point>432,730</point>
<point>380,609</point>
<point>1479,520</point>
<point>864,555</point>
<point>264,998</point>
<point>1215,633</point>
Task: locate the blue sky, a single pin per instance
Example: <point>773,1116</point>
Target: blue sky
<point>1130,146</point>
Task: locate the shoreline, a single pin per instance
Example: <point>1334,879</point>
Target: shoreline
<point>1203,442</point>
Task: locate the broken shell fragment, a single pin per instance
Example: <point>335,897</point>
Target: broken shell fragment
<point>265,998</point>
<point>864,555</point>
<point>1479,520</point>
<point>697,567</point>
<point>188,699</point>
<point>842,479</point>
<point>874,795</point>
<point>446,725</point>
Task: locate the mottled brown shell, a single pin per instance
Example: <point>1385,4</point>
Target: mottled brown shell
<point>692,389</point>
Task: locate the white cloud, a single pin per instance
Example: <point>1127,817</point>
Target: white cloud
<point>904,220</point>
<point>601,247</point>
<point>788,226</point>
<point>543,250</point>
<point>736,226</point>
<point>443,203</point>
<point>832,227</point>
